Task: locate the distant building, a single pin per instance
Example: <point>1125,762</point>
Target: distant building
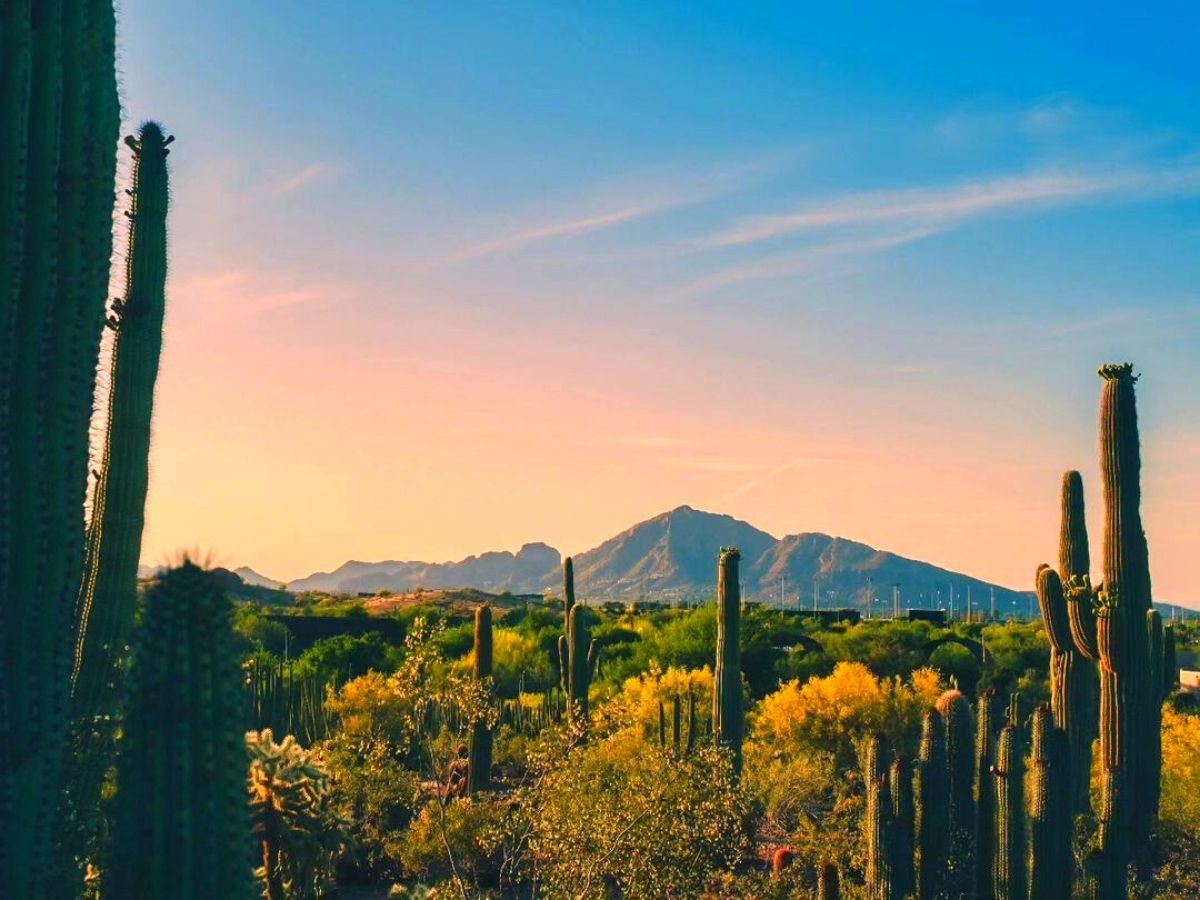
<point>936,616</point>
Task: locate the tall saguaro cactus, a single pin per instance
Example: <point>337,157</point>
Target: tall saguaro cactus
<point>59,117</point>
<point>181,826</point>
<point>108,595</point>
<point>984,813</point>
<point>479,753</point>
<point>728,723</point>
<point>1129,691</point>
<point>577,652</point>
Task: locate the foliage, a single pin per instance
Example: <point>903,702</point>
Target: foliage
<point>464,840</point>
<point>1181,772</point>
<point>653,825</point>
<point>830,715</point>
<point>344,656</point>
<point>300,833</point>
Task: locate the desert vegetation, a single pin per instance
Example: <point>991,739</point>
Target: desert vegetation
<point>167,741</point>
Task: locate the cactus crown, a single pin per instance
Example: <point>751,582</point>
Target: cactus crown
<point>1117,372</point>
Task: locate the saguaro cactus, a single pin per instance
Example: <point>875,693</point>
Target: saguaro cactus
<point>1049,818</point>
<point>108,594</point>
<point>984,812</point>
<point>577,652</point>
<point>727,722</point>
<point>932,807</point>
<point>59,118</point>
<point>1129,692</point>
<point>900,785</point>
<point>960,772</point>
<point>181,827</point>
<point>1008,866</point>
<point>878,822</point>
<point>479,753</point>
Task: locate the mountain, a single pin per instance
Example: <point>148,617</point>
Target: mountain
<point>673,556</point>
<point>528,570</point>
<point>673,551</point>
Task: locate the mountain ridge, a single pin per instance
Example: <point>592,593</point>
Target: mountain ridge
<point>673,556</point>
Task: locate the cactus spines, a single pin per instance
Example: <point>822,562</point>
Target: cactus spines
<point>828,887</point>
<point>181,825</point>
<point>728,724</point>
<point>984,818</point>
<point>1008,861</point>
<point>1049,816</point>
<point>932,804</point>
<point>59,119</point>
<point>479,753</point>
<point>960,771</point>
<point>568,591</point>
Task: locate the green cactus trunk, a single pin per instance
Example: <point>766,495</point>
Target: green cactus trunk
<point>727,722</point>
<point>932,804</point>
<point>1072,684</point>
<point>577,652</point>
<point>479,753</point>
<point>59,117</point>
<point>877,823</point>
<point>900,785</point>
<point>1008,859</point>
<point>1128,690</point>
<point>181,826</point>
<point>1049,816</point>
<point>984,812</point>
<point>960,774</point>
<point>108,595</point>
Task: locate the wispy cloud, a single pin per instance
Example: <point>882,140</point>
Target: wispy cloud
<point>789,265</point>
<point>553,231</point>
<point>645,194</point>
<point>943,205</point>
<point>238,295</point>
<point>755,483</point>
<point>303,178</point>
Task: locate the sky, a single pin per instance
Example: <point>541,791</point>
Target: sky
<point>447,278</point>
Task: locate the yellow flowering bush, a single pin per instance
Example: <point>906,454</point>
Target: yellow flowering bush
<point>831,714</point>
<point>1181,771</point>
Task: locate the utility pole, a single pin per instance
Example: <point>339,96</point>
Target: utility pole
<point>896,600</point>
<point>950,585</point>
<point>782,588</point>
<point>968,602</point>
<point>993,616</point>
<point>816,596</point>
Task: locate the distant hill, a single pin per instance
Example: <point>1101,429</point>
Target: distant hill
<point>249,576</point>
<point>528,570</point>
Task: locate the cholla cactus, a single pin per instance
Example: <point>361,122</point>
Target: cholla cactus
<point>299,833</point>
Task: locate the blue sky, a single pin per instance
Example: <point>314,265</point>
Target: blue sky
<point>755,233</point>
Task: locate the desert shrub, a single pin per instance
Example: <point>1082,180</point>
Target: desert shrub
<point>830,715</point>
<point>1181,772</point>
<point>463,839</point>
<point>300,833</point>
<point>519,663</point>
<point>636,706</point>
<point>653,824</point>
<point>345,656</point>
